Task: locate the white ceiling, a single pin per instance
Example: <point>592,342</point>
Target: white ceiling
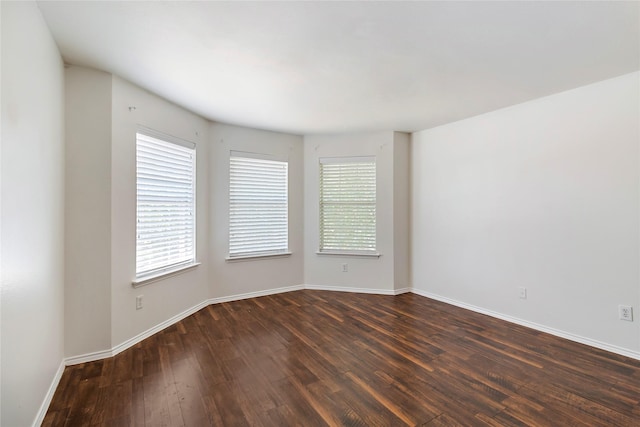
<point>317,67</point>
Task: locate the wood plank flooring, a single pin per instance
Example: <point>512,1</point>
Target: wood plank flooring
<point>314,358</point>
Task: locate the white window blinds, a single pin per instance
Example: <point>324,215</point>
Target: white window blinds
<point>258,205</point>
<point>348,205</point>
<point>165,176</point>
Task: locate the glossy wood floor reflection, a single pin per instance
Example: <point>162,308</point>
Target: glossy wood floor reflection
<point>310,358</point>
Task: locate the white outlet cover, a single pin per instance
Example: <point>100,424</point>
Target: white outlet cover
<point>625,312</point>
<point>523,293</point>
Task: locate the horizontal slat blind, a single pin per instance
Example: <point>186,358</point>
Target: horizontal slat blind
<point>258,206</point>
<point>348,205</point>
<point>165,175</point>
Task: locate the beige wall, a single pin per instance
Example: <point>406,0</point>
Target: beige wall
<point>101,210</point>
<point>364,273</point>
<point>101,178</point>
<point>401,211</point>
<point>168,297</point>
<point>88,211</point>
<point>32,213</point>
<point>255,275</point>
<point>543,195</point>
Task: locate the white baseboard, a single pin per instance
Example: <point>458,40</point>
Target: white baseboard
<point>350,289</point>
<point>557,332</point>
<point>49,396</point>
<point>89,357</point>
<point>146,334</point>
<point>98,355</point>
<point>255,294</point>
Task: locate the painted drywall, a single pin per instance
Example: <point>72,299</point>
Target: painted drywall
<point>104,171</point>
<point>32,220</point>
<point>104,113</point>
<point>263,274</point>
<point>401,211</point>
<point>542,195</point>
<point>133,107</point>
<point>364,273</point>
<point>88,211</point>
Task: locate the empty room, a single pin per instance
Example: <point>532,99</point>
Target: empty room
<point>320,213</point>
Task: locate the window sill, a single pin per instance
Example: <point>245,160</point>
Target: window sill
<point>255,257</point>
<point>351,254</point>
<point>145,280</point>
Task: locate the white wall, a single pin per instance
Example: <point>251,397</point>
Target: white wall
<point>543,195</point>
<point>32,221</point>
<point>170,296</point>
<point>88,211</point>
<point>364,273</point>
<point>255,275</point>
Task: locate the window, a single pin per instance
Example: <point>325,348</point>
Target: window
<point>348,205</point>
<point>165,176</point>
<point>258,206</point>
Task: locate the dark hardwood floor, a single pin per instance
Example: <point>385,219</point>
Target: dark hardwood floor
<point>310,358</point>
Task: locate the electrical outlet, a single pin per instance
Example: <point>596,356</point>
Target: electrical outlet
<point>522,293</point>
<point>139,302</point>
<point>345,268</point>
<point>625,312</point>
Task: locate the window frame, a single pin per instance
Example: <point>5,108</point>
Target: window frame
<point>276,251</point>
<point>361,252</point>
<point>168,269</point>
